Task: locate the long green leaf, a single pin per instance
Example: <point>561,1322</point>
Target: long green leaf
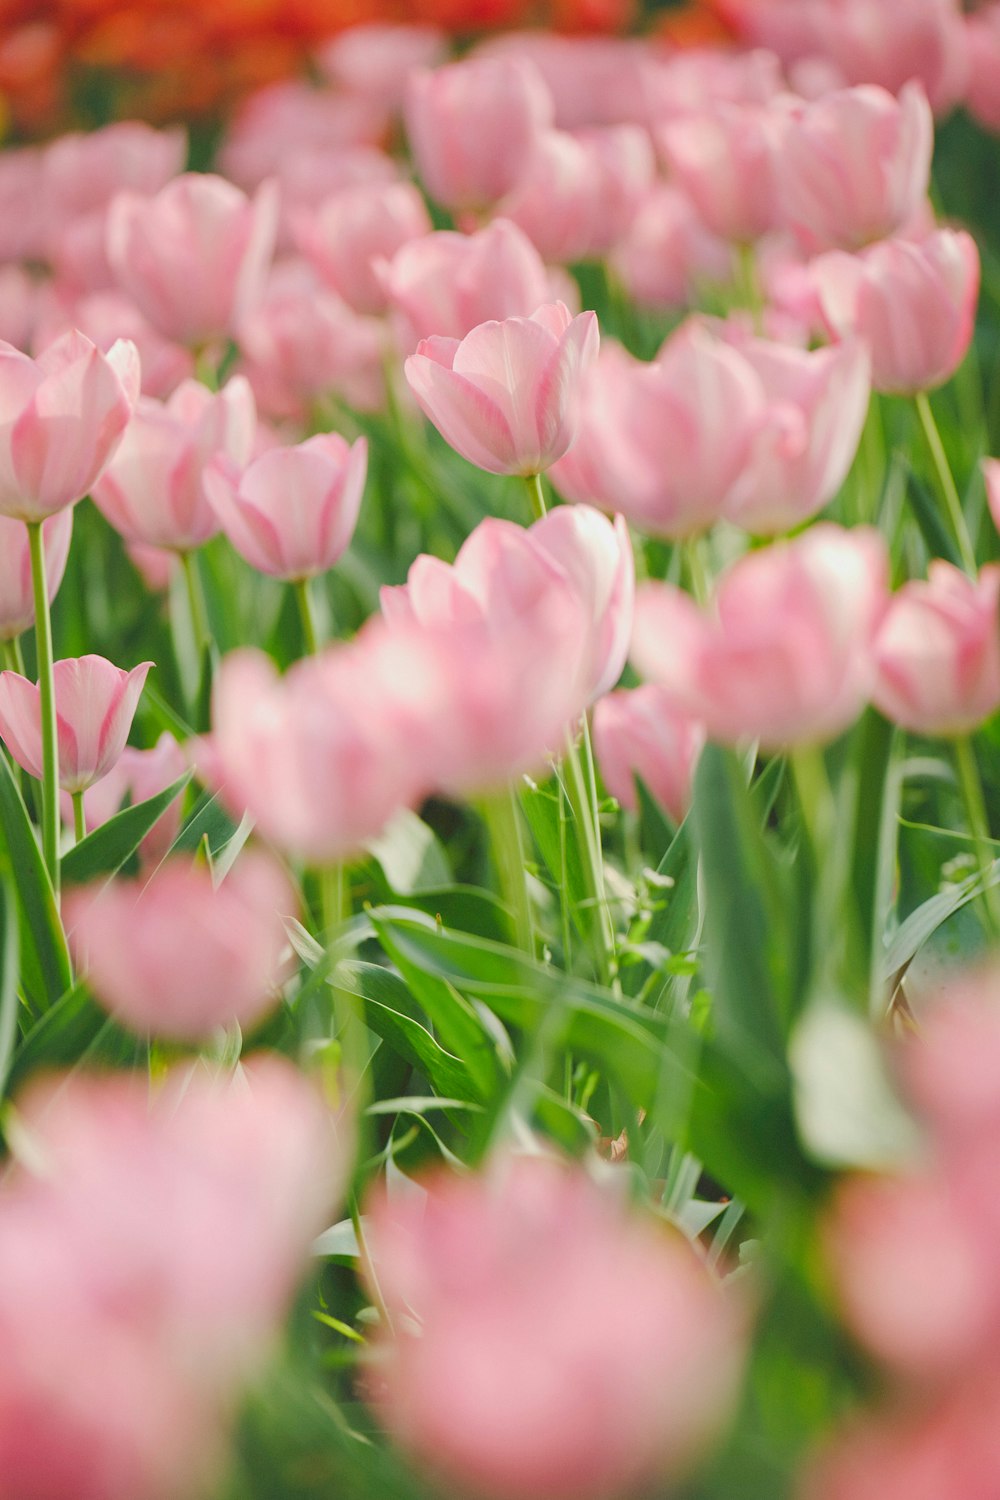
<point>9,1001</point>
<point>104,851</point>
<point>45,967</point>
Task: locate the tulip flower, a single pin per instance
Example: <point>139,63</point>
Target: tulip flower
<point>640,734</point>
<point>17,605</point>
<point>95,705</point>
<point>154,491</point>
<point>63,417</point>
<point>506,396</point>
<point>177,956</point>
<point>982,34</point>
<point>519,1264</point>
<point>668,252</point>
<point>347,234</point>
<point>137,776</point>
<point>913,302</point>
<point>786,653</point>
<point>472,127</point>
<point>991,476</point>
<point>725,161</point>
<point>104,317</point>
<point>194,256</point>
<point>377,60</point>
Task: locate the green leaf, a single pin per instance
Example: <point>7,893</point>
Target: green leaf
<point>9,1000</point>
<point>73,1029</point>
<point>104,851</point>
<point>411,855</point>
<point>550,821</point>
<point>45,967</point>
<point>208,819</point>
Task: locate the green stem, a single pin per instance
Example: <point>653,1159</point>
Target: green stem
<point>580,792</point>
<point>196,604</point>
<point>307,612</point>
<point>750,289</point>
<point>975,811</point>
<point>697,572</point>
<point>946,481</point>
<point>503,823</point>
<point>335,903</point>
<point>47,695</point>
<point>536,495</point>
<point>79,817</point>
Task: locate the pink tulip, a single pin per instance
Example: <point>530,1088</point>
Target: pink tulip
<point>472,127</point>
<point>578,194</point>
<point>639,734</point>
<point>154,491</point>
<point>292,513</point>
<point>168,1230</point>
<point>153,564</point>
<point>914,303</point>
<point>17,604</point>
<point>982,34</point>
<point>938,652</point>
<point>95,706</point>
<point>786,654</point>
<point>668,254</point>
<point>82,171</point>
<point>447,284</point>
<point>62,419</point>
<point>592,80</point>
<point>296,119</point>
<point>104,317</point>
<point>177,956</point>
<point>137,776</point>
<point>506,396</point>
<point>376,61</point>
<point>22,205</point>
<point>991,476</point>
<point>725,161</point>
<point>21,301</point>
<point>193,257</point>
<point>520,1263</point>
<point>355,228</point>
<point>855,166</point>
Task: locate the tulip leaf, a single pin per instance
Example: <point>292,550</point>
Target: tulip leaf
<point>45,967</point>
<point>411,855</point>
<point>208,818</point>
<point>550,820</point>
<point>73,1031</point>
<point>9,998</point>
<point>104,851</point>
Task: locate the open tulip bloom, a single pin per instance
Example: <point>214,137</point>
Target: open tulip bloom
<point>509,1009</point>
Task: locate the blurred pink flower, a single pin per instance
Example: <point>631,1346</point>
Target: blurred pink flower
<point>295,119</point>
<point>507,395</point>
<point>17,605</point>
<point>725,160</point>
<point>376,61</point>
<point>347,234</point>
<point>982,33</point>
<point>639,733</point>
<point>513,1381</point>
<point>104,317</point>
<point>668,254</point>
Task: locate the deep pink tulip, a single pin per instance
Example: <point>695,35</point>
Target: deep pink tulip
<point>579,193</point>
<point>982,34</point>
<point>447,283</point>
<point>137,776</point>
<point>725,161</point>
<point>507,395</point>
<point>520,1263</point>
<point>292,512</point>
<point>345,236</point>
<point>154,491</point>
<point>177,956</point>
<point>854,166</point>
<point>62,418</point>
<point>95,706</point>
<point>168,1229</point>
<point>17,605</point>
<point>472,127</point>
<point>668,253</point>
<point>194,257</point>
<point>913,302</point>
<point>785,655</point>
<point>938,652</point>
<point>639,733</point>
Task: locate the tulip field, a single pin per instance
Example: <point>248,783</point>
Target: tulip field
<point>500,771</point>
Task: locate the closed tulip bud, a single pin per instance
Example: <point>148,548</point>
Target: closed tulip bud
<point>506,397</point>
<point>137,776</point>
<point>641,735</point>
<point>17,604</point>
<point>347,235</point>
<point>914,303</point>
<point>292,512</point>
<point>104,317</point>
<point>195,256</point>
<point>95,706</point>
<point>63,416</point>
<point>725,161</point>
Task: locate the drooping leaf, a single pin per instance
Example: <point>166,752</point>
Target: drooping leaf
<point>104,851</point>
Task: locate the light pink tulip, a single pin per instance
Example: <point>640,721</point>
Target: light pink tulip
<point>153,564</point>
<point>938,652</point>
<point>506,397</point>
<point>786,653</point>
<point>154,491</point>
<point>725,161</point>
<point>95,706</point>
<point>168,1230</point>
<point>104,317</point>
<point>137,776</point>
<point>520,1263</point>
<point>292,512</point>
<point>175,956</point>
<point>640,734</point>
<point>472,127</point>
<point>668,253</point>
<point>991,477</point>
<point>83,170</point>
<point>982,34</point>
<point>17,605</point>
<point>21,301</point>
<point>447,284</point>
<point>592,80</point>
<point>348,233</point>
<point>854,166</point>
<point>61,419</point>
<point>578,194</point>
<point>193,257</point>
<point>22,205</point>
<point>376,61</point>
<point>296,119</point>
<point>914,303</point>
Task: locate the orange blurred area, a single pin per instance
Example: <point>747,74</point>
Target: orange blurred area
<point>164,59</point>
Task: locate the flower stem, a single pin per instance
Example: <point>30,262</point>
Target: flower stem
<point>580,791</point>
<point>307,612</point>
<point>536,495</point>
<point>79,817</point>
<point>502,819</point>
<point>949,490</point>
<point>47,695</point>
<point>975,811</point>
<point>196,604</point>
